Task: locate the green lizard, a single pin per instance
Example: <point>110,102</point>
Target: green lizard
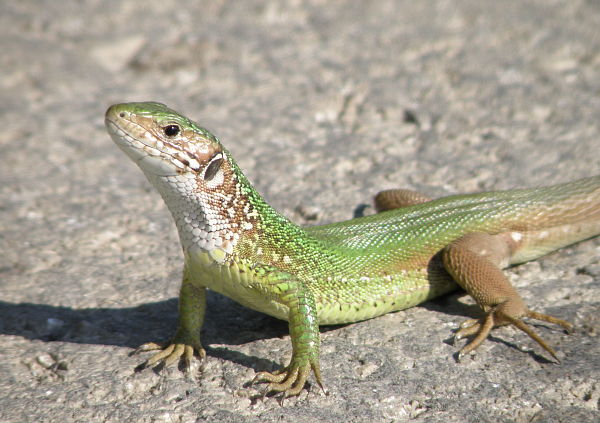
<point>236,244</point>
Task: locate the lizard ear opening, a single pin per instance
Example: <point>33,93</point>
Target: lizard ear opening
<point>213,167</point>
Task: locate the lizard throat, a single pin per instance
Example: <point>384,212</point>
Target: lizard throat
<point>208,220</point>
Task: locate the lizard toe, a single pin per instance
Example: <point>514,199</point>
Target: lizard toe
<point>172,353</point>
<point>149,346</point>
<point>290,380</point>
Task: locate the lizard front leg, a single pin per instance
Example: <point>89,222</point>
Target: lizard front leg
<point>475,262</point>
<point>304,332</point>
<point>192,307</point>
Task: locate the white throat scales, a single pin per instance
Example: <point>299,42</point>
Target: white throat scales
<point>199,213</point>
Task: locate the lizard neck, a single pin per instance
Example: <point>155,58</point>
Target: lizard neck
<point>222,218</point>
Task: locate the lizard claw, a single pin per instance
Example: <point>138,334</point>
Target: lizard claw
<point>467,328</point>
<point>148,346</point>
<point>290,380</point>
<point>481,329</point>
<point>170,353</point>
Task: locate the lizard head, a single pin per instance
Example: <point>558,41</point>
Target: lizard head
<point>196,176</point>
<point>164,143</point>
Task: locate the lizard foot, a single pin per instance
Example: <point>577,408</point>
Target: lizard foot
<point>171,353</point>
<point>289,380</point>
<point>496,317</point>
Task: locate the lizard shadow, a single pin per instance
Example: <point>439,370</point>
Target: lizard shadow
<point>227,324</point>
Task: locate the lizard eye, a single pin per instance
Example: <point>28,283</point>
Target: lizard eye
<point>171,130</point>
<point>213,167</point>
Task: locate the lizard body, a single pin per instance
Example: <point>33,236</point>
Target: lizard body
<point>413,250</point>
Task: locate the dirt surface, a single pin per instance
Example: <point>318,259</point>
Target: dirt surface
<point>322,105</point>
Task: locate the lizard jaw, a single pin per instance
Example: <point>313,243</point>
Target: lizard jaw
<point>148,158</point>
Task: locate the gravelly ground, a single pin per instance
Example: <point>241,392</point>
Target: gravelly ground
<point>323,105</point>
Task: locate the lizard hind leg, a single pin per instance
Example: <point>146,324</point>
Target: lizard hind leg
<point>475,262</point>
<point>398,198</point>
